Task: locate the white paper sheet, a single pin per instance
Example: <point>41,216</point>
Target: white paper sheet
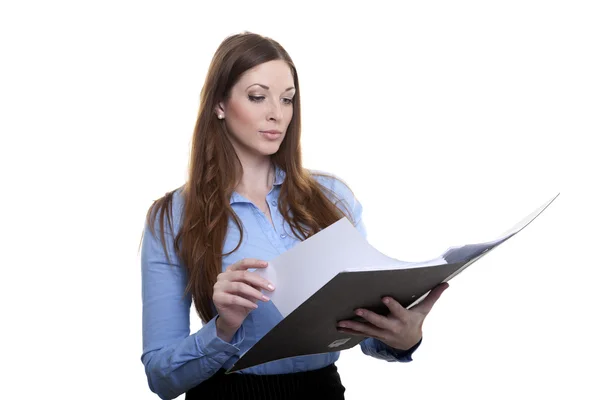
<point>301,271</point>
<point>304,269</point>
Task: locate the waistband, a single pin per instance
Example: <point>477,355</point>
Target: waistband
<point>324,382</point>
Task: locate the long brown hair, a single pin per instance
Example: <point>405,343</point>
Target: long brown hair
<point>215,168</point>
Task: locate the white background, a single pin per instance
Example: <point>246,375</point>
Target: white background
<point>451,121</point>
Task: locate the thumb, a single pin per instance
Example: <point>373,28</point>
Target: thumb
<point>427,304</point>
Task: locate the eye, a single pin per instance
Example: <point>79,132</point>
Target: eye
<point>288,101</point>
<point>256,99</point>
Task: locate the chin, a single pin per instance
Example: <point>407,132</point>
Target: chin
<point>268,150</point>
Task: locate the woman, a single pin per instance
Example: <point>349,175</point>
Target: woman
<point>247,199</point>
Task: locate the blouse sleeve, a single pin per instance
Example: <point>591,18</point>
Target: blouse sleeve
<point>174,360</point>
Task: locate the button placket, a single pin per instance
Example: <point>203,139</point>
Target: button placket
<point>277,228</point>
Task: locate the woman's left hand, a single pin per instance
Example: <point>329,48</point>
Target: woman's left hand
<point>401,328</point>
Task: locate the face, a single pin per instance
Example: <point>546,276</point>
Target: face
<point>259,109</point>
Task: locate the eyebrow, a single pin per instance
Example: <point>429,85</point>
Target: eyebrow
<point>267,88</point>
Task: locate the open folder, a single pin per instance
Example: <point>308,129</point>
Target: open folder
<point>323,279</point>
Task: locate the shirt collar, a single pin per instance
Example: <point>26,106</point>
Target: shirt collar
<point>279,179</point>
<point>279,176</point>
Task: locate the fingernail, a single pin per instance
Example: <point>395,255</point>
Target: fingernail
<point>386,300</point>
<point>265,298</point>
<point>359,312</point>
<point>342,325</point>
<point>271,286</point>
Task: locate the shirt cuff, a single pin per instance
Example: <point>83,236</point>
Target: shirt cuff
<point>403,355</point>
<point>378,349</point>
<point>211,345</point>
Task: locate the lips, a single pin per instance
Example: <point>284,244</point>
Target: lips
<point>271,134</point>
<point>274,132</point>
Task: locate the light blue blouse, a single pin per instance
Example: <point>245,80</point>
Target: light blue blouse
<point>176,361</point>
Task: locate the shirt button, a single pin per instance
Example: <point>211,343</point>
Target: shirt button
<point>274,202</point>
<point>283,236</point>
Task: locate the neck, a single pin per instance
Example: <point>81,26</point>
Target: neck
<point>257,177</point>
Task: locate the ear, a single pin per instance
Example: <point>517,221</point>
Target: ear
<point>220,109</point>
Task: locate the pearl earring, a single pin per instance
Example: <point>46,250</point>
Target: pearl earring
<point>221,116</point>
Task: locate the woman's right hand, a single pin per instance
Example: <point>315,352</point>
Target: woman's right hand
<point>236,293</point>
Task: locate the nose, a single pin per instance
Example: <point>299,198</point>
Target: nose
<point>275,112</point>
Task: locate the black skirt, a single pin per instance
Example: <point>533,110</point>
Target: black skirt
<point>322,383</point>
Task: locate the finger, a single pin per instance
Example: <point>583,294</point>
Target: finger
<point>250,278</point>
<point>362,329</point>
<point>350,332</point>
<point>226,299</point>
<point>244,290</point>
<point>396,309</point>
<point>377,320</point>
<point>246,263</point>
<point>427,304</point>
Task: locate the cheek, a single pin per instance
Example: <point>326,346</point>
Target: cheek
<point>289,113</point>
<point>241,114</point>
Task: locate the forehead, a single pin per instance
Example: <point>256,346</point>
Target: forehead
<point>276,74</point>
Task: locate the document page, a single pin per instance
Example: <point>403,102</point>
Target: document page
<point>300,272</point>
<point>304,269</point>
